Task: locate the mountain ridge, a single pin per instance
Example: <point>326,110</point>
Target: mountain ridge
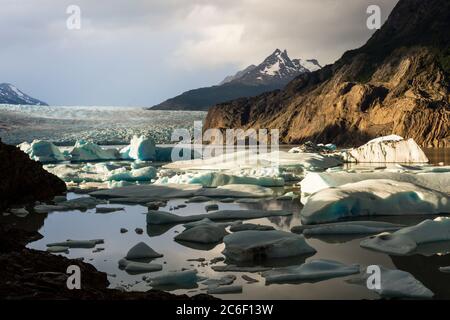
<point>396,83</point>
<point>10,94</point>
<point>272,74</point>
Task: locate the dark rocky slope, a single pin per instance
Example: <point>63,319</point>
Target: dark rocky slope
<point>24,180</point>
<point>397,83</point>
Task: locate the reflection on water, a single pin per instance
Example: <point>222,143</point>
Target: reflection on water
<point>60,226</point>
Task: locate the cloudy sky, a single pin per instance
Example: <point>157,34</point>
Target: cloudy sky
<point>140,52</point>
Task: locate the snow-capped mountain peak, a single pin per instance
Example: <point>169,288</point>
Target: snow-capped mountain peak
<point>277,68</point>
<point>10,94</point>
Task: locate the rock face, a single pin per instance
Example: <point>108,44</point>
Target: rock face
<point>273,73</point>
<point>397,83</point>
<point>24,180</point>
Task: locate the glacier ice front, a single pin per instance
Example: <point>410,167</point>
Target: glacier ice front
<point>372,197</point>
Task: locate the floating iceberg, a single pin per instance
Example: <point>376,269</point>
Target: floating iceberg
<point>140,148</point>
<point>142,251</point>
<point>142,174</point>
<point>249,159</point>
<point>406,240</point>
<point>372,197</point>
<point>315,181</point>
<point>42,151</point>
<point>397,284</point>
<point>250,226</point>
<point>387,149</point>
<point>134,267</point>
<point>215,179</point>
<point>83,204</point>
<point>161,217</point>
<point>234,268</point>
<point>346,228</point>
<point>237,191</point>
<point>89,151</point>
<point>175,278</point>
<point>225,289</point>
<point>315,270</point>
<point>204,233</point>
<point>85,244</point>
<point>264,245</point>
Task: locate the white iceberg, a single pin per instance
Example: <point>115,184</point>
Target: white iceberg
<point>89,151</point>
<point>85,244</point>
<point>42,151</point>
<point>387,149</point>
<point>142,251</point>
<point>141,174</point>
<point>215,179</point>
<point>249,159</point>
<point>346,228</point>
<point>162,217</point>
<point>316,181</point>
<point>263,245</point>
<point>406,240</point>
<point>397,284</point>
<point>237,190</point>
<point>140,148</point>
<point>314,270</point>
<point>372,197</point>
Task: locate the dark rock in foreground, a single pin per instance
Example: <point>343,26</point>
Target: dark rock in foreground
<point>24,180</point>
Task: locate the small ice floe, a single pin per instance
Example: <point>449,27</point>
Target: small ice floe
<point>175,279</point>
<point>250,226</point>
<point>227,200</point>
<point>204,233</point>
<point>161,217</point>
<point>216,260</point>
<point>89,151</point>
<point>154,205</point>
<point>212,179</point>
<point>249,279</point>
<point>288,196</point>
<point>211,207</point>
<point>152,192</point>
<point>142,251</point>
<point>42,151</point>
<point>225,289</point>
<point>316,181</point>
<point>82,244</point>
<point>136,267</point>
<point>396,284</point>
<point>372,197</point>
<point>248,200</point>
<point>312,271</point>
<point>139,231</point>
<point>98,250</point>
<point>234,268</point>
<point>237,191</point>
<point>391,148</point>
<point>311,147</point>
<point>83,203</point>
<point>264,245</point>
<point>108,209</point>
<point>198,199</point>
<point>123,230</point>
<point>445,269</point>
<point>210,222</point>
<point>406,240</point>
<point>140,148</point>
<point>58,199</point>
<point>19,212</point>
<point>223,281</point>
<point>58,249</point>
<point>346,228</point>
<point>122,174</point>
